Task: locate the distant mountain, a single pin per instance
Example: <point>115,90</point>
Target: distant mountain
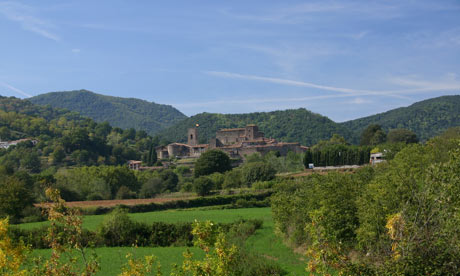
<point>119,112</point>
<point>297,125</point>
<point>427,118</point>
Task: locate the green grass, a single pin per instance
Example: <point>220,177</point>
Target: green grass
<point>111,259</point>
<point>264,242</point>
<point>171,216</point>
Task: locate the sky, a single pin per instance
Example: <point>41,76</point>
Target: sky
<point>341,59</point>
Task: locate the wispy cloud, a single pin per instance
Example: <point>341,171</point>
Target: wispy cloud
<point>258,100</point>
<point>416,84</point>
<point>76,50</point>
<point>299,13</point>
<point>289,57</point>
<point>24,15</point>
<point>359,101</point>
<point>17,90</point>
<point>354,92</point>
<point>450,83</point>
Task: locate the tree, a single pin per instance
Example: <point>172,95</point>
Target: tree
<point>14,197</point>
<point>151,187</point>
<point>212,161</point>
<point>170,180</point>
<point>150,157</point>
<point>233,179</point>
<point>202,185</point>
<point>257,171</point>
<point>401,135</point>
<point>372,135</point>
<point>58,154</point>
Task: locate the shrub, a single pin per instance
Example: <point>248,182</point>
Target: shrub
<point>257,171</point>
<point>125,193</point>
<point>118,229</point>
<point>203,185</point>
<point>151,187</point>
<point>233,179</point>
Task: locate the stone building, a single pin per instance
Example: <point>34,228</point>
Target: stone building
<point>236,142</point>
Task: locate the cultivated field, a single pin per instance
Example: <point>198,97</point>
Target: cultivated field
<point>264,242</point>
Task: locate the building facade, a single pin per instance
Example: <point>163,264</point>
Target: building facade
<point>236,142</point>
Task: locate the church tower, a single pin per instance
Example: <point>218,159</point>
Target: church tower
<point>192,136</point>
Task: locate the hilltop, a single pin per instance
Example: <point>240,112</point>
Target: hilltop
<point>293,125</point>
<point>426,118</point>
<point>119,112</point>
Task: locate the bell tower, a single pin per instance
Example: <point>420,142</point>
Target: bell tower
<point>192,136</point>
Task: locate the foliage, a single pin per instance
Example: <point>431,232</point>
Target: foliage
<point>292,162</point>
<point>118,229</point>
<point>337,155</point>
<point>426,119</point>
<point>64,235</point>
<point>396,218</point>
<point>287,126</point>
<point>212,161</point>
<point>233,179</point>
<point>401,135</point>
<point>372,135</point>
<point>140,267</point>
<point>150,188</point>
<point>222,256</point>
<point>15,197</point>
<point>257,171</point>
<point>203,185</point>
<point>64,138</point>
<point>11,255</point>
<point>120,112</point>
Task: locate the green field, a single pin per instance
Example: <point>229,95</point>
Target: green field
<point>171,216</point>
<point>112,258</point>
<point>264,242</point>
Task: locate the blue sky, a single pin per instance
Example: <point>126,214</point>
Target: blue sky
<point>342,59</point>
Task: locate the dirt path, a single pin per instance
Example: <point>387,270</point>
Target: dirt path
<point>111,203</point>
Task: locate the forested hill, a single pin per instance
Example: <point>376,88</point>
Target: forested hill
<point>297,125</point>
<point>120,112</point>
<point>64,138</point>
<point>427,118</point>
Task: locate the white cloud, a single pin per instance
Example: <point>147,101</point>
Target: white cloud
<point>23,14</point>
<point>416,84</point>
<point>257,101</point>
<point>17,90</point>
<point>76,50</point>
<point>359,101</point>
<point>354,92</point>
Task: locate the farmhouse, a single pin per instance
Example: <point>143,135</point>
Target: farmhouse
<point>7,144</point>
<point>236,142</point>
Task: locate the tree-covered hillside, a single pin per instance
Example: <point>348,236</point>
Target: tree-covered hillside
<point>64,138</point>
<point>427,118</point>
<point>119,112</point>
<point>295,125</point>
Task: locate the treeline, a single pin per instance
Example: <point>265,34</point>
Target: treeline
<point>338,155</point>
<point>397,218</point>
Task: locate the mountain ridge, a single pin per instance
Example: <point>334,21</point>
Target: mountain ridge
<point>426,118</point>
<point>118,111</point>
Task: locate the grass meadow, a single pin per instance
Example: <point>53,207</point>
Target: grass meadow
<point>264,242</point>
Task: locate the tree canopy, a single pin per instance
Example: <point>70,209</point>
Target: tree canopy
<point>212,161</point>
